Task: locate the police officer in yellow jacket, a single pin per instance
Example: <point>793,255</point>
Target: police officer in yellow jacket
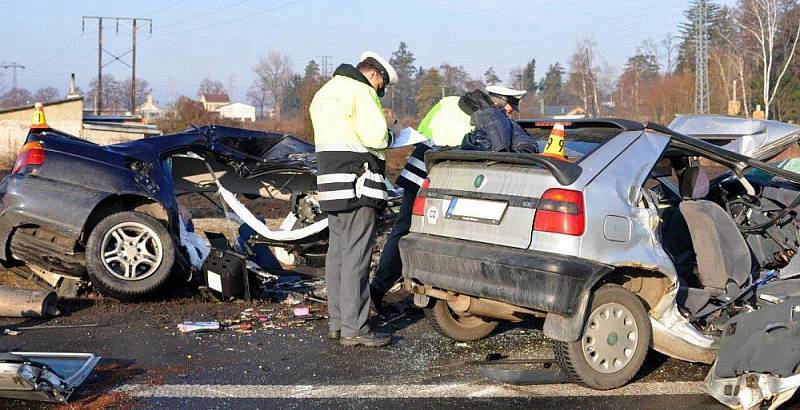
<point>444,125</point>
<point>350,136</point>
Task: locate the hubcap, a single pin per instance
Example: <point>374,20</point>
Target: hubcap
<point>609,341</point>
<point>131,251</point>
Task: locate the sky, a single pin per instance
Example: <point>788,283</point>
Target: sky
<point>223,39</point>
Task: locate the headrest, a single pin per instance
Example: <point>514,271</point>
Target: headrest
<point>694,183</point>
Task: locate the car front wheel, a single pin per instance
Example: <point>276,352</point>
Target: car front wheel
<point>614,342</point>
<point>129,256</point>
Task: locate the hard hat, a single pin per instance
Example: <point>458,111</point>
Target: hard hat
<point>388,73</point>
<point>510,95</point>
<point>39,122</point>
<point>555,143</point>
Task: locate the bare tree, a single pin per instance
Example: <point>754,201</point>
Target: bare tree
<point>209,86</point>
<point>273,73</point>
<point>46,94</point>
<point>765,21</point>
<point>671,47</point>
<point>583,76</point>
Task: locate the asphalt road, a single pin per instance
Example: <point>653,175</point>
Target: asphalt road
<point>147,363</point>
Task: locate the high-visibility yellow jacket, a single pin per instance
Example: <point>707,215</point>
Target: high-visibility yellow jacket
<point>350,137</point>
<point>445,126</point>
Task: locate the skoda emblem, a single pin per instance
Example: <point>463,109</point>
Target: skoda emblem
<point>479,181</point>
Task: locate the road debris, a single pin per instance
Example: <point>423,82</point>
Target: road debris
<point>48,377</point>
<point>302,311</point>
<point>188,327</point>
<point>15,302</point>
<point>50,327</point>
<point>10,332</point>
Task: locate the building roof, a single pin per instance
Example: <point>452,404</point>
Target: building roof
<point>29,106</point>
<point>235,105</point>
<point>216,98</point>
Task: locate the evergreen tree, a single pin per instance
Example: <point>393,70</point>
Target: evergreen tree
<point>292,101</point>
<point>552,85</point>
<point>402,96</point>
<point>491,77</point>
<point>529,76</point>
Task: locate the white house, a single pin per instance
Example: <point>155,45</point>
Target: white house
<point>239,111</point>
<point>212,102</point>
<point>149,110</point>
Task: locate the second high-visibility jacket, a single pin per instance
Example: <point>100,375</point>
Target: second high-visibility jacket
<point>445,126</point>
<point>350,136</point>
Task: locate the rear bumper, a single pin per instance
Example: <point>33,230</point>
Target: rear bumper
<point>536,280</point>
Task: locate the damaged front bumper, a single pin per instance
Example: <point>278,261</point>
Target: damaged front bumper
<point>751,390</point>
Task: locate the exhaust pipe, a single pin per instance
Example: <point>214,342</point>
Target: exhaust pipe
<point>469,305</point>
<point>15,302</point>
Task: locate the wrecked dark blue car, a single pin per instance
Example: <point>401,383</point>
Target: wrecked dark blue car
<point>79,210</point>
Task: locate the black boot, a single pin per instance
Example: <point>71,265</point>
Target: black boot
<point>377,300</point>
<point>371,339</point>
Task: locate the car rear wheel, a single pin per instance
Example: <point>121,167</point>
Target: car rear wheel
<point>129,256</point>
<point>613,344</point>
<point>457,327</point>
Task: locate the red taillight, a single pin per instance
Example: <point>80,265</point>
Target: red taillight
<point>560,211</point>
<point>419,202</point>
<point>31,153</point>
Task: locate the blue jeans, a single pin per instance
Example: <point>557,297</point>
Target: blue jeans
<point>390,267</point>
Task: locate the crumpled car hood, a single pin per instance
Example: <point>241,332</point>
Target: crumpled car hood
<point>760,139</point>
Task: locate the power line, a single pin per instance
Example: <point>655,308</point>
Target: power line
<point>100,50</point>
<point>153,13</point>
<point>235,19</point>
<point>201,15</point>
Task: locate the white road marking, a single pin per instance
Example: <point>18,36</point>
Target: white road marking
<point>395,391</point>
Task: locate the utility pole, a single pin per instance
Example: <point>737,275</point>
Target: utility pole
<point>101,50</point>
<point>133,67</point>
<point>701,93</point>
<point>325,66</point>
<point>13,67</point>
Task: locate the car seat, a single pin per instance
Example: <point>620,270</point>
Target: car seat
<point>723,269</point>
<point>724,261</point>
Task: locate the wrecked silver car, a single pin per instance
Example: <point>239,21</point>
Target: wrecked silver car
<point>628,244</point>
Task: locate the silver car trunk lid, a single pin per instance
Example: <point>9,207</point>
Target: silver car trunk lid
<point>488,202</point>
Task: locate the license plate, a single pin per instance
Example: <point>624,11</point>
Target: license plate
<point>476,210</point>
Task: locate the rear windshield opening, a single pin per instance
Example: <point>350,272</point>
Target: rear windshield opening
<point>580,142</point>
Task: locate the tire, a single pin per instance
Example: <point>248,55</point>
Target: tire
<point>459,328</point>
<point>140,266</point>
<point>607,363</point>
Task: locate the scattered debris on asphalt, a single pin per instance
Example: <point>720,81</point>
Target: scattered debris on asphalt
<point>188,327</point>
<point>30,303</point>
<point>51,327</point>
<point>10,332</point>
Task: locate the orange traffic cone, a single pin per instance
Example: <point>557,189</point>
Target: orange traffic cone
<point>555,144</point>
<point>39,123</point>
